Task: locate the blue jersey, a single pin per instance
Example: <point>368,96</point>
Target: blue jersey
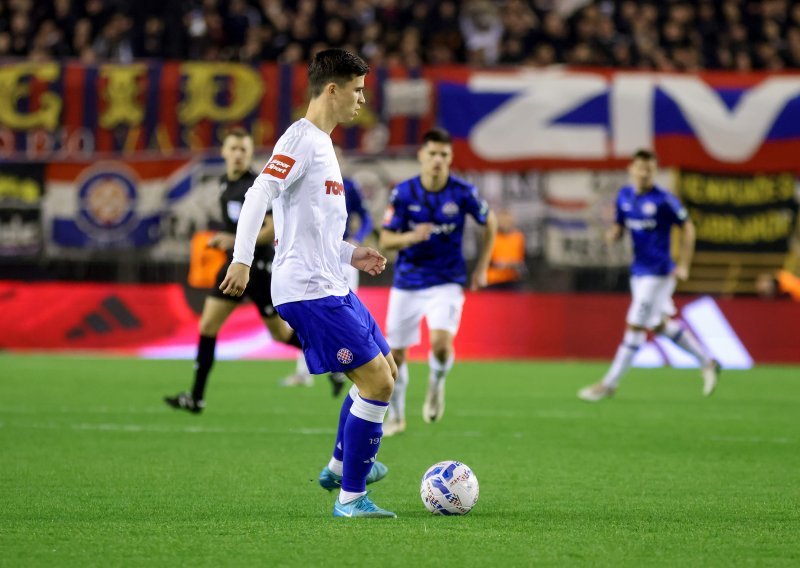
<point>649,217</point>
<point>440,259</point>
<point>355,206</point>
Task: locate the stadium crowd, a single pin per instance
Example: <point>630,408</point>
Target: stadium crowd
<point>668,35</point>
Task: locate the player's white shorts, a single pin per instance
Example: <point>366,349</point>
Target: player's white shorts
<point>652,300</point>
<point>441,305</point>
<point>351,273</point>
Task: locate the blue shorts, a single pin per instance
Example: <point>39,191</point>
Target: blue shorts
<point>338,334</point>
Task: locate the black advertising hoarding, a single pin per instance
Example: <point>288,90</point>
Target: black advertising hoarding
<point>740,213</point>
<point>20,208</point>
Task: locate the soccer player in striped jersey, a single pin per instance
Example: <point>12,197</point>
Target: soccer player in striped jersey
<point>303,184</point>
<point>650,212</point>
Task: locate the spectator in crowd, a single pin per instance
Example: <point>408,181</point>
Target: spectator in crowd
<point>675,35</point>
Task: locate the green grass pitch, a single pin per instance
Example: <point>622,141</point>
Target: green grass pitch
<point>96,471</point>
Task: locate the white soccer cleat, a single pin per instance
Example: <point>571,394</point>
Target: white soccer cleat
<point>710,374</point>
<point>393,427</point>
<point>596,392</point>
<point>433,408</point>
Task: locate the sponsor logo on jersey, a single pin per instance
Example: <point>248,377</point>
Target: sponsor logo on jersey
<point>333,187</point>
<point>414,208</point>
<point>344,356</point>
<point>442,229</point>
<point>640,224</point>
<point>450,209</point>
<point>279,166</point>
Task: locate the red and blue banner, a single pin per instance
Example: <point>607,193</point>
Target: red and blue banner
<point>112,204</point>
<point>501,119</point>
<point>716,122</point>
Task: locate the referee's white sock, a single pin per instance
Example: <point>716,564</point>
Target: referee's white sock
<point>631,343</point>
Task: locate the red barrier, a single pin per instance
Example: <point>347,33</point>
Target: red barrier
<point>157,321</point>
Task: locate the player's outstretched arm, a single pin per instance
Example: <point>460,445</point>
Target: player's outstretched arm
<point>685,250</point>
<point>479,278</point>
<point>236,279</point>
<point>368,260</point>
<point>392,240</point>
<point>257,202</point>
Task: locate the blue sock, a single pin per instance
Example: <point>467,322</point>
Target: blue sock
<point>338,448</point>
<point>362,438</point>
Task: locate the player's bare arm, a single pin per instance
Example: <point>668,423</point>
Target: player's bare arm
<point>222,240</point>
<point>266,235</point>
<point>368,260</point>
<point>391,240</point>
<point>685,250</point>
<point>614,233</point>
<point>236,279</point>
<point>479,278</point>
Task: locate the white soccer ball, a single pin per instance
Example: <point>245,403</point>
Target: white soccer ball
<point>449,488</point>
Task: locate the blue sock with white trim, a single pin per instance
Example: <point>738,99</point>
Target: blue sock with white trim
<point>362,438</point>
<point>335,465</point>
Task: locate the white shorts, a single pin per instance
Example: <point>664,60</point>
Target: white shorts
<point>441,305</point>
<point>652,300</point>
<point>351,273</point>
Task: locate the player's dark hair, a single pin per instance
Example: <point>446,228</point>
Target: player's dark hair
<point>334,66</point>
<point>237,132</point>
<point>643,154</point>
<point>437,135</point>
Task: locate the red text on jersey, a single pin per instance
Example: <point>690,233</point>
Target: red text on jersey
<point>279,166</point>
<point>334,187</point>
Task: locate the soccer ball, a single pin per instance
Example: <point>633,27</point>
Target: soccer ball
<point>449,488</point>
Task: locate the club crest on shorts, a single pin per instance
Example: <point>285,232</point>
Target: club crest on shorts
<point>345,356</point>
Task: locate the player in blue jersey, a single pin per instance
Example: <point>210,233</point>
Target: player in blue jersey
<point>425,222</point>
<point>303,184</point>
<point>354,202</point>
<point>649,213</point>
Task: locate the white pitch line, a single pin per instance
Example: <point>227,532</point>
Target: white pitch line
<point>153,429</point>
<point>149,428</point>
<point>751,440</point>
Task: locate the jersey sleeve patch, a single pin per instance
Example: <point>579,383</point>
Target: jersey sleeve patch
<point>279,166</point>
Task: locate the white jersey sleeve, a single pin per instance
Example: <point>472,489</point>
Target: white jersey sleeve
<point>289,161</point>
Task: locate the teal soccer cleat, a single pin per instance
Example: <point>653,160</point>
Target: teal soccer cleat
<point>361,507</point>
<point>330,481</point>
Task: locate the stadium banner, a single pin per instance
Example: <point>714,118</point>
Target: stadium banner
<point>157,321</point>
<point>21,189</point>
<point>111,205</point>
<point>502,119</point>
<point>740,213</point>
